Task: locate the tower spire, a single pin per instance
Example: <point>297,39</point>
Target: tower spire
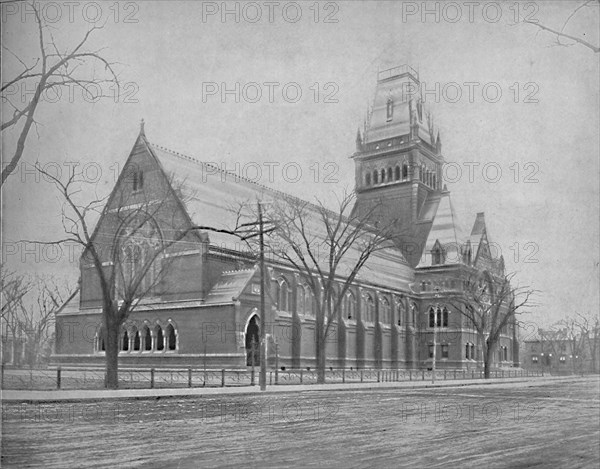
<point>142,127</point>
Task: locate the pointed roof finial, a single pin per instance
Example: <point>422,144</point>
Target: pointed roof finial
<point>359,141</point>
<point>142,127</point>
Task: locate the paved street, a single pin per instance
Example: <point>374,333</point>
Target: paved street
<point>509,424</point>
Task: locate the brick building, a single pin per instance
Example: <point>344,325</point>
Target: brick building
<point>205,308</point>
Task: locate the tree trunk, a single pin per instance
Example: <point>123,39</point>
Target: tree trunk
<point>320,353</point>
<point>486,368</point>
<point>112,355</point>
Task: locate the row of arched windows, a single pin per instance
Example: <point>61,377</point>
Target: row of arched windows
<point>387,175</point>
<point>305,304</point>
<point>146,339</point>
<point>397,173</point>
<point>438,317</point>
<point>428,177</point>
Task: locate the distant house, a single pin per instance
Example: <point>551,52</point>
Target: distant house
<point>555,350</point>
<point>206,308</point>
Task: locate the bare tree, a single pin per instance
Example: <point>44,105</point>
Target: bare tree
<point>130,248</point>
<point>14,288</point>
<point>37,316</point>
<point>29,312</point>
<point>589,329</point>
<point>490,303</point>
<point>328,249</point>
<point>52,70</point>
<point>560,33</point>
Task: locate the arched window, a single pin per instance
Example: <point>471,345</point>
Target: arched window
<point>389,174</point>
<point>125,341</point>
<point>404,171</point>
<point>437,256</point>
<point>369,308</point>
<point>350,306</point>
<point>397,173</point>
<point>375,177</point>
<point>136,340</point>
<point>382,176</point>
<point>385,312</point>
<point>283,296</point>
<point>171,337</point>
<point>368,179</point>
<point>137,246</point>
<point>400,311</point>
<point>435,317</point>
<point>100,347</point>
<point>445,317</point>
<point>309,301</point>
<point>147,337</point>
<point>300,300</point>
<point>434,182</point>
<point>160,338</point>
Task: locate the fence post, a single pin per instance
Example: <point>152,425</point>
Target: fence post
<point>58,377</point>
<point>422,375</point>
<point>378,376</point>
<point>301,372</point>
<point>343,375</point>
<point>270,378</point>
<point>276,361</point>
<point>410,375</point>
<point>189,377</point>
<point>151,378</point>
<point>444,375</point>
<point>223,377</point>
<point>454,374</point>
<point>361,376</point>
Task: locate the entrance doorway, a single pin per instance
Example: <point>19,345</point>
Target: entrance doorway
<point>252,341</point>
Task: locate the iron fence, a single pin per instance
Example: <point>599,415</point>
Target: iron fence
<point>129,378</point>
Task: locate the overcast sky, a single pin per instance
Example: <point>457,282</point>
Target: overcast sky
<point>176,58</point>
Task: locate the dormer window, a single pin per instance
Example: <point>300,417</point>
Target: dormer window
<point>437,255</point>
<point>390,109</point>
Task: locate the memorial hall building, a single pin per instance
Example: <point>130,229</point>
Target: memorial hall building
<point>205,310</point>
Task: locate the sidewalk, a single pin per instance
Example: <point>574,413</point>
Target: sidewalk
<point>100,394</point>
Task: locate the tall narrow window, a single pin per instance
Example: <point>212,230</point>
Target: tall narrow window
<point>382,176</point>
<point>147,338</point>
<point>160,339</point>
<point>171,337</point>
<point>389,174</point>
<point>125,344</point>
<point>284,295</point>
<point>431,351</point>
<point>444,351</point>
<point>300,300</point>
<point>368,179</point>
<point>397,173</point>
<point>136,341</point>
<point>375,177</point>
<point>390,109</point>
<point>404,171</point>
<point>431,317</point>
<point>445,317</point>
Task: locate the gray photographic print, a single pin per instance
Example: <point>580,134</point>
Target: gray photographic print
<point>298,234</point>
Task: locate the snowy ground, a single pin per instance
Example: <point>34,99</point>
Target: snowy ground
<point>509,424</point>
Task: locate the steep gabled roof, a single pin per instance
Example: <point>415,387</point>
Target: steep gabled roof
<point>446,230</point>
<point>211,196</point>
